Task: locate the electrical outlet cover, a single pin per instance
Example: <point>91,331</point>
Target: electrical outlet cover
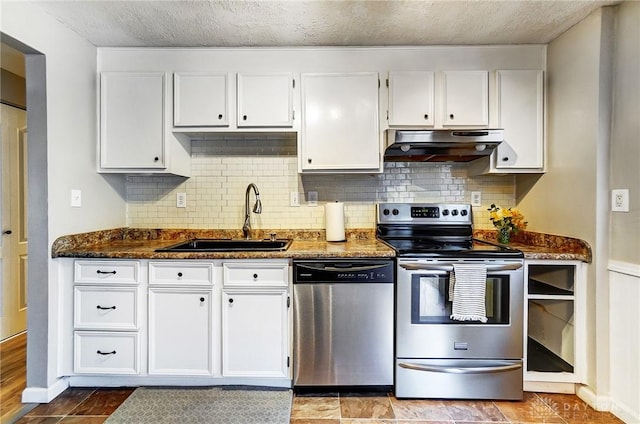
<point>620,200</point>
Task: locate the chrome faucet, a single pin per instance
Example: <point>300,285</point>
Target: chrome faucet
<point>257,208</point>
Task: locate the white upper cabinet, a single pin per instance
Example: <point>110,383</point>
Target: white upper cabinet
<point>340,123</point>
<point>132,120</point>
<point>230,102</point>
<point>465,100</point>
<point>265,100</point>
<point>200,99</point>
<point>447,99</point>
<point>134,135</point>
<point>520,113</point>
<point>519,110</point>
<point>411,98</point>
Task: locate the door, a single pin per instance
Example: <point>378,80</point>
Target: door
<point>180,332</point>
<point>340,122</point>
<point>424,309</point>
<point>13,243</point>
<point>255,333</point>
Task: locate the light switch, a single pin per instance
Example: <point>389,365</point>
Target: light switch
<point>76,198</point>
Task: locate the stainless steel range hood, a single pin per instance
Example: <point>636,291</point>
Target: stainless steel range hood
<point>441,145</point>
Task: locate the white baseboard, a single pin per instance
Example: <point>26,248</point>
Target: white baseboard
<point>44,394</point>
<point>599,403</point>
<point>625,413</point>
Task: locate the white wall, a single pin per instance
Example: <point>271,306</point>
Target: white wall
<point>624,264</point>
<point>572,197</point>
<point>69,137</point>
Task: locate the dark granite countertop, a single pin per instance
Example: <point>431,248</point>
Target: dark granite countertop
<point>138,243</point>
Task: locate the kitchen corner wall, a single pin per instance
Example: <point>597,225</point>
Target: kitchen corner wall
<point>223,166</point>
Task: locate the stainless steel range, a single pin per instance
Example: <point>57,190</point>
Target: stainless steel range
<point>459,305</point>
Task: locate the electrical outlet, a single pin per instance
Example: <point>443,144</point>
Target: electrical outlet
<point>76,198</point>
<point>181,200</point>
<point>620,200</point>
<point>476,198</point>
<point>294,199</point>
<point>312,198</point>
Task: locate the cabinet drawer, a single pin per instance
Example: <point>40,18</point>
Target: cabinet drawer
<point>182,274</point>
<point>105,309</point>
<point>106,353</point>
<point>106,272</point>
<point>256,274</point>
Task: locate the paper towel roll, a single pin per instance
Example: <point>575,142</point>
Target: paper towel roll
<point>334,219</point>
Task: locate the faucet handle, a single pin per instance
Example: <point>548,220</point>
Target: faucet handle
<point>272,236</point>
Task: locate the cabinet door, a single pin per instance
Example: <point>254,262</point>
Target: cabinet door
<point>265,100</point>
<point>411,98</point>
<point>340,122</point>
<point>132,120</point>
<point>200,100</point>
<point>180,332</point>
<point>255,333</point>
<point>465,98</point>
<point>520,113</point>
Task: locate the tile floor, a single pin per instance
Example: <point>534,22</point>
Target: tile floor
<point>93,406</point>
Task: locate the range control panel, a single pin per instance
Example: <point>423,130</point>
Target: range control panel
<point>424,213</point>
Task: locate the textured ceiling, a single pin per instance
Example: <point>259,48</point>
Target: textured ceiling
<point>318,22</point>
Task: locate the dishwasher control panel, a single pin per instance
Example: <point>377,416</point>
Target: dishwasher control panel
<point>348,271</point>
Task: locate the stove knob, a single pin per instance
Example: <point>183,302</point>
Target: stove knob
<point>395,212</point>
<point>445,212</point>
<point>454,212</point>
<point>385,211</point>
<point>463,212</point>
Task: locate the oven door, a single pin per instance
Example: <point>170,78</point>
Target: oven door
<point>424,326</point>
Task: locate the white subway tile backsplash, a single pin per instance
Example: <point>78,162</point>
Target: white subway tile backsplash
<point>223,166</point>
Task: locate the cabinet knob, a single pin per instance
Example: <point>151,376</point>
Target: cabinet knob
<point>451,116</point>
<point>220,116</point>
<point>202,299</point>
<point>505,159</point>
<point>179,274</point>
<point>426,116</point>
<point>309,160</point>
<point>7,232</point>
<point>244,117</point>
<point>230,300</point>
<point>156,159</point>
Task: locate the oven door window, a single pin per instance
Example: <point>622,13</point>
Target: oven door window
<point>430,303</point>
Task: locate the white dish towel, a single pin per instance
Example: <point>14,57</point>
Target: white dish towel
<point>469,283</point>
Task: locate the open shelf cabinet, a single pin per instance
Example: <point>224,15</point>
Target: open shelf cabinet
<point>555,323</point>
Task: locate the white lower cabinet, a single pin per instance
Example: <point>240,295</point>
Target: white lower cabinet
<point>106,317</point>
<point>556,325</point>
<point>256,319</point>
<point>255,333</point>
<point>180,331</point>
<point>180,321</point>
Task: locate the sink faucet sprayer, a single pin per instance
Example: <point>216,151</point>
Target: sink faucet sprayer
<point>257,208</point>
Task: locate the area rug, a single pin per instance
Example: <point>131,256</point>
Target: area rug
<point>220,405</point>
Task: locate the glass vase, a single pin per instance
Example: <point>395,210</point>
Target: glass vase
<point>503,236</point>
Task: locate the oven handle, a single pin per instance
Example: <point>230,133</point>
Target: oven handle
<point>460,370</point>
<point>449,267</point>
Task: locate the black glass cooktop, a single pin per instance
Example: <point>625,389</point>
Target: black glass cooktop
<point>467,248</point>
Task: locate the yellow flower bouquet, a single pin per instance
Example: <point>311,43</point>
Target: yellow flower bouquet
<point>506,221</point>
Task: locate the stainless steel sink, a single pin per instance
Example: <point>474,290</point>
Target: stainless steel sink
<point>225,245</point>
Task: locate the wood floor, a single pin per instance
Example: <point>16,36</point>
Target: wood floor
<point>13,375</point>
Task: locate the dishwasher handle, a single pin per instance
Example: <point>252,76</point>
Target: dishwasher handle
<point>341,268</point>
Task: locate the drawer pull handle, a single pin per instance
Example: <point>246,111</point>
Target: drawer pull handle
<point>113,352</point>
<point>106,272</point>
<point>103,308</point>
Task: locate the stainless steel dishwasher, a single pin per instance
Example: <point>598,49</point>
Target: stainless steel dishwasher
<point>343,322</point>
